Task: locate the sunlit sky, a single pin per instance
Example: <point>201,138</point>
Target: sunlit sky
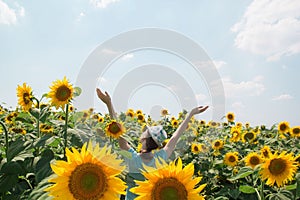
<point>254,44</point>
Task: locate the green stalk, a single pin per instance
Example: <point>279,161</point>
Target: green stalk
<point>66,129</point>
<point>262,196</point>
<point>6,138</point>
<point>38,120</point>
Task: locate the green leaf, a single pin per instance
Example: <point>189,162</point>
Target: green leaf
<point>38,192</point>
<point>291,187</point>
<point>43,168</point>
<point>245,171</point>
<point>11,168</point>
<point>35,113</point>
<point>15,148</point>
<point>298,185</point>
<point>7,182</point>
<point>247,189</point>
<point>77,91</point>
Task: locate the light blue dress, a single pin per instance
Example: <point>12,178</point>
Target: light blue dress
<point>135,164</point>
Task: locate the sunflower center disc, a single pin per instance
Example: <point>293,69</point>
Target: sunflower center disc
<point>217,144</point>
<point>63,93</point>
<point>26,98</point>
<point>169,188</point>
<point>249,136</point>
<point>114,128</point>
<point>254,160</point>
<point>87,182</point>
<point>283,127</point>
<point>231,159</point>
<point>277,166</point>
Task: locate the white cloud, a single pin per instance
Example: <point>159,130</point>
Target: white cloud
<point>282,97</point>
<point>80,16</point>
<point>253,87</point>
<point>102,3</point>
<point>8,15</point>
<point>219,63</point>
<point>237,106</point>
<point>270,28</point>
<point>201,97</point>
<point>127,57</point>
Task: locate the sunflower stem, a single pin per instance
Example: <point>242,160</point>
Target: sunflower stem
<point>262,196</point>
<point>66,129</point>
<point>38,119</point>
<point>6,138</point>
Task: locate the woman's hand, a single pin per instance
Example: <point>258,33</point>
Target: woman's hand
<point>198,110</point>
<point>104,97</point>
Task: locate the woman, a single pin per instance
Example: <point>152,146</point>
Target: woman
<point>151,139</point>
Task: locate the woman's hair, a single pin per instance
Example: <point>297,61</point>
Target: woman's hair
<point>150,145</point>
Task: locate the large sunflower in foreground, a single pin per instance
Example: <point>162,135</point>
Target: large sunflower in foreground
<point>253,159</point>
<point>61,93</point>
<point>87,175</point>
<point>114,129</point>
<point>169,182</point>
<point>24,94</point>
<point>279,169</point>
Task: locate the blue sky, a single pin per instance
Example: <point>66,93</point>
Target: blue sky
<point>255,45</point>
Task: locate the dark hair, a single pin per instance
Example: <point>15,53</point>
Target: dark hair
<point>150,144</point>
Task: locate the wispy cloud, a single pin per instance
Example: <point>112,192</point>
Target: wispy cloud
<point>282,97</point>
<point>8,15</point>
<point>219,63</point>
<point>80,16</point>
<point>127,57</point>
<point>270,28</point>
<point>253,87</point>
<point>102,3</point>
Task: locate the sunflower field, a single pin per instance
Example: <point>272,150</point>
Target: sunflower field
<point>51,150</point>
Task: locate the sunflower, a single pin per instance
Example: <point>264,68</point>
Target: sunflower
<point>46,128</point>
<point>61,93</point>
<point>217,144</point>
<point>213,124</point>
<point>230,117</point>
<point>283,127</point>
<point>141,117</point>
<point>253,159</point>
<point>24,94</point>
<point>114,129</point>
<point>101,119</point>
<point>296,131</point>
<point>139,112</point>
<point>265,152</point>
<point>87,175</point>
<point>231,159</point>
<point>279,169</point>
<point>169,182</point>
<point>195,148</point>
<point>175,123</point>
<point>130,113</point>
<point>164,112</point>
<point>9,119</point>
<point>247,125</point>
<point>297,159</point>
<point>18,130</point>
<point>239,125</point>
<point>202,123</point>
<point>1,110</point>
<point>236,134</point>
<point>249,136</point>
<point>71,108</point>
<point>96,116</point>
